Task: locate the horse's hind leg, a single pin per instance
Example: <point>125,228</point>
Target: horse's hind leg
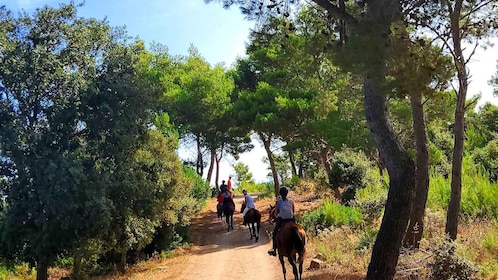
<point>250,231</point>
<point>292,261</point>
<point>281,259</point>
<point>257,231</point>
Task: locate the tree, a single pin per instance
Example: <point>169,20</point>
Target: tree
<point>454,23</point>
<point>419,70</point>
<point>52,198</point>
<point>197,97</point>
<point>370,30</point>
<point>304,84</point>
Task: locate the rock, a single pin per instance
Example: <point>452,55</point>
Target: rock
<point>317,264</point>
<point>321,257</point>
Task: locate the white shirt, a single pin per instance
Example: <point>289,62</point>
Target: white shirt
<point>249,201</point>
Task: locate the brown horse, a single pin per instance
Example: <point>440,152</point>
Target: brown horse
<point>219,210</point>
<point>291,241</point>
<point>228,209</point>
<point>253,221</point>
<point>272,218</point>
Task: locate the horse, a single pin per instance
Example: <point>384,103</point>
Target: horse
<point>272,218</point>
<point>219,210</point>
<point>291,241</point>
<point>253,221</point>
<point>228,209</point>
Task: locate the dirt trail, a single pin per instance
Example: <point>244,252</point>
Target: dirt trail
<point>218,254</point>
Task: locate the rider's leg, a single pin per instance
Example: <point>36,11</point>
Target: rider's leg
<point>278,223</point>
<point>244,215</point>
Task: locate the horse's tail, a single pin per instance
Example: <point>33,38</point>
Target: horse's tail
<point>299,241</point>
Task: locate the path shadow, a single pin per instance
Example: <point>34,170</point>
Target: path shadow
<point>208,233</point>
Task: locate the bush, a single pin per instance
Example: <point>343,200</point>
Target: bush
<point>332,214</point>
<point>349,169</point>
<point>367,240</point>
<point>448,265</point>
<point>487,157</point>
<point>478,193</point>
<point>200,189</point>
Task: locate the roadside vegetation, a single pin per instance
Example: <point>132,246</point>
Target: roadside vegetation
<point>357,116</point>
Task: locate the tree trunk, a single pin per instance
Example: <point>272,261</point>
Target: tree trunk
<point>401,173</point>
<point>121,266</point>
<point>399,164</point>
<point>458,128</point>
<point>217,168</point>
<point>415,228</point>
<point>211,167</point>
<point>200,159</point>
<point>324,156</point>
<point>292,163</point>
<point>274,173</point>
<point>41,271</point>
<point>75,274</point>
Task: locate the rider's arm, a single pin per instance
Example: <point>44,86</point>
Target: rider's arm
<point>293,209</point>
<point>276,210</point>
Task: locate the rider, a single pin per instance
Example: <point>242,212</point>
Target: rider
<point>284,211</point>
<point>229,183</point>
<point>249,204</point>
<point>223,187</point>
<point>227,194</point>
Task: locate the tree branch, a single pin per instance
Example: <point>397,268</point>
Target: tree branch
<point>336,12</point>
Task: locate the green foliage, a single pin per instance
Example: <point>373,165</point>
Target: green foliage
<point>490,243</point>
<point>348,170</point>
<point>242,173</point>
<point>21,271</point>
<point>440,148</point>
<point>367,240</point>
<point>446,264</point>
<point>200,189</point>
<point>262,189</point>
<point>332,214</point>
<point>478,193</point>
<point>487,157</point>
<point>46,136</point>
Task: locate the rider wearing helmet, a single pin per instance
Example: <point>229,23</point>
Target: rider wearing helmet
<point>284,210</point>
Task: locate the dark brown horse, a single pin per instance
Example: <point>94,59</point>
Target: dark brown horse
<point>228,209</point>
<point>272,217</point>
<point>253,221</point>
<point>291,241</point>
<point>219,210</point>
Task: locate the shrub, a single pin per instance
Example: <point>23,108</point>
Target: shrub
<point>332,214</point>
<point>490,243</point>
<point>446,264</point>
<point>348,170</point>
<point>200,189</point>
<point>487,157</point>
<point>367,240</point>
<point>478,193</point>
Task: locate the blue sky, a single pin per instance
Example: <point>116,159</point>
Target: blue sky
<point>220,35</point>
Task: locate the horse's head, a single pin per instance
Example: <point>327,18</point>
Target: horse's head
<point>272,217</point>
<point>243,207</point>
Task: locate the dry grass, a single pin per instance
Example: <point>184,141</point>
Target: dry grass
<point>477,242</point>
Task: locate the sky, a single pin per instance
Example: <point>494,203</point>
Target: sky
<point>220,35</point>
